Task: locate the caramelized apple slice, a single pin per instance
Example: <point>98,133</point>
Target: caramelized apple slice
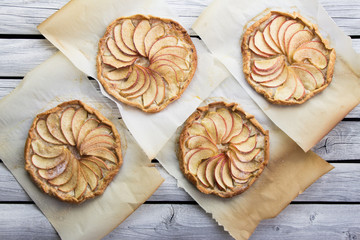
<point>47,163</point>
<point>87,127</point>
<point>71,184</point>
<point>65,176</point>
<point>210,169</point>
<point>150,95</point>
<point>201,171</point>
<point>93,166</point>
<point>117,53</point>
<point>127,33</point>
<point>195,156</point>
<point>226,174</point>
<point>247,146</point>
<point>152,35</point>
<point>54,172</point>
<point>65,125</point>
<point>44,133</point>
<point>268,39</point>
<point>78,120</point>
<point>111,61</point>
<point>281,33</point>
<point>317,74</point>
<point>297,40</point>
<point>289,33</point>
<point>237,127</point>
<point>313,55</point>
<point>306,77</point>
<point>286,91</point>
<point>274,27</point>
<point>220,125</point>
<point>266,78</point>
<point>241,136</point>
<point>120,43</point>
<point>253,48</point>
<point>261,44</point>
<point>277,81</point>
<point>81,184</point>
<point>199,141</point>
<point>118,74</point>
<point>89,176</point>
<point>139,36</point>
<point>175,50</point>
<point>162,43</point>
<point>217,173</point>
<point>229,121</point>
<point>45,151</point>
<point>102,153</point>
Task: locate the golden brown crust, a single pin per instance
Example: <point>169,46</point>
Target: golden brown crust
<point>248,57</point>
<point>179,31</point>
<point>107,174</point>
<point>183,149</point>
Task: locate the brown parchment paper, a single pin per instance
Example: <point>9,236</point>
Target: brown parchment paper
<point>76,29</point>
<point>289,172</point>
<point>54,81</point>
<point>221,26</point>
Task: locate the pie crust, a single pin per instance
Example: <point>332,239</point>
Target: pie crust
<point>218,159</point>
<point>72,152</point>
<point>145,61</point>
<point>286,59</point>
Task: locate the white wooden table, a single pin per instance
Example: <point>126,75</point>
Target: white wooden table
<point>329,209</point>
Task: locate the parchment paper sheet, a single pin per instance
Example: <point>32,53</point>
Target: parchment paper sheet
<point>221,26</point>
<point>289,172</point>
<point>76,30</point>
<point>55,81</point>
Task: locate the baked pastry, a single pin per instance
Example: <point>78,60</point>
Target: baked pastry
<point>72,152</point>
<point>222,149</point>
<point>145,61</point>
<point>286,59</point>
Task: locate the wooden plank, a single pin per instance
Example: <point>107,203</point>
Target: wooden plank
<point>339,185</point>
<point>183,221</point>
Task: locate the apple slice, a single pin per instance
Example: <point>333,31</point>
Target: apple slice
<point>160,96</point>
<point>261,44</point>
<point>139,36</point>
<point>210,129</point>
<point>274,27</point>
<point>217,173</point>
<point>241,136</point>
<point>98,139</point>
<point>65,125</point>
<point>112,61</point>
<point>131,81</point>
<point>100,130</point>
<point>210,168</point>
<point>89,125</point>
<point>247,146</point>
<point>179,72</point>
<point>136,85</point>
<point>297,40</point>
<point>181,62</point>
<point>118,74</point>
<point>47,163</point>
<point>44,133</point>
<point>179,51</point>
<point>167,72</point>
<point>199,141</point>
<point>127,34</point>
<point>237,127</point>
<point>194,157</point>
<point>237,174</point>
<point>197,129</point>
<point>152,35</point>
<point>289,33</point>
<point>64,177</point>
<point>53,172</point>
<point>226,174</point>
<point>201,173</point>
<point>246,157</point>
<point>104,144</point>
<point>266,78</point>
<point>253,48</point>
<point>315,44</point>
<point>93,166</point>
<point>306,77</point>
<point>313,55</point>
<point>300,89</point>
<point>139,91</point>
<point>71,184</point>
<point>286,91</point>
<point>268,39</point>
<point>78,120</point>
<point>102,153</point>
<point>89,176</point>
<point>281,33</point>
<point>117,53</point>
<point>317,74</point>
<point>150,95</point>
<point>45,151</point>
<point>163,42</point>
<point>229,121</point>
<point>81,185</point>
<point>96,160</point>
<point>53,124</point>
<point>247,167</point>
<point>120,43</point>
<point>220,125</point>
<point>268,64</point>
<point>277,81</point>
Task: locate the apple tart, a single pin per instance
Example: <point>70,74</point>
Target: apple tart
<point>286,59</point>
<point>72,152</point>
<point>222,149</point>
<point>145,61</point>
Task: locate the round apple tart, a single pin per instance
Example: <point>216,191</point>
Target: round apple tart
<point>145,61</point>
<point>72,152</point>
<point>222,149</point>
<point>286,59</point>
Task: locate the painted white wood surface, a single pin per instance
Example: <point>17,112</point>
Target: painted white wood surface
<point>329,209</point>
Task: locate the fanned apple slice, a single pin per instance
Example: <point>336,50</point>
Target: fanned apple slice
<point>229,121</point>
<point>53,124</point>
<point>102,153</point>
<point>139,83</point>
<point>131,81</point>
<point>247,167</point>
<point>64,177</point>
<point>247,146</point>
<point>160,96</point>
<point>181,62</point>
<point>198,129</point>
<point>81,185</point>
<point>277,81</point>
<point>89,125</point>
<point>199,141</point>
<point>65,125</point>
<point>127,34</point>
<point>266,78</point>
<point>144,88</point>
<point>237,127</point>
<point>103,144</point>
<point>286,91</point>
<point>210,169</point>
<point>100,130</point>
<point>266,65</point>
<point>118,74</point>
<point>160,62</point>
<point>54,172</point>
<point>195,158</point>
<point>313,55</point>
<point>96,160</point>
<point>246,157</point>
<point>112,61</point>
<point>139,36</point>
<point>315,44</point>
<point>217,173</point>
<point>117,53</point>
<point>268,39</point>
<point>274,28</point>
<point>93,166</point>
<point>175,50</point>
<point>239,174</point>
<point>261,44</point>
<point>306,77</point>
<point>152,35</point>
<point>281,33</point>
<point>201,173</point>
<point>297,40</point>
<point>226,174</point>
<point>210,129</point>
<point>90,176</point>
<point>253,48</point>
<point>71,184</point>
<point>150,95</point>
<point>45,151</point>
<point>44,133</point>
<point>97,139</point>
<point>167,72</point>
<point>78,120</point>
<point>47,163</point>
<point>241,136</point>
<point>163,42</point>
<point>219,123</point>
<point>300,89</point>
<point>317,74</point>
<point>120,43</point>
<point>289,33</point>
